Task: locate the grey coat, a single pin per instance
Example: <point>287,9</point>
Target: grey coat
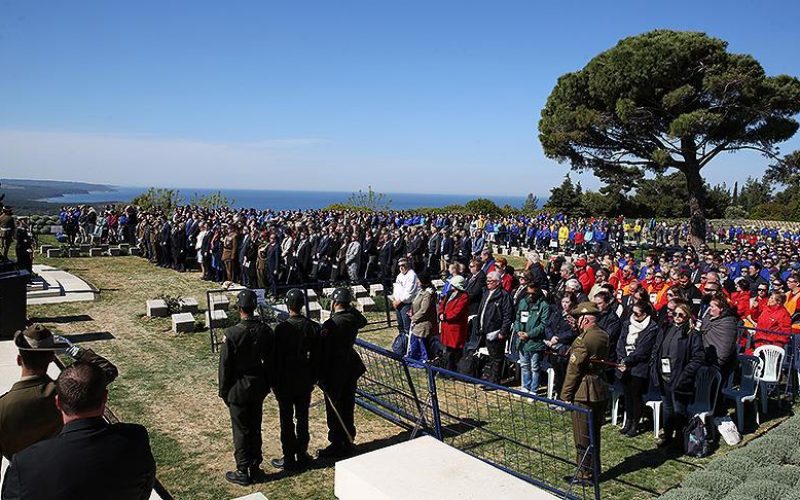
<point>719,339</point>
<point>423,313</point>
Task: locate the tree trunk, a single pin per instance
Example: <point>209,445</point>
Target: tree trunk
<point>697,205</point>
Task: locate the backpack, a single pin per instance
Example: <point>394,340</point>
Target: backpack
<point>400,344</point>
<point>471,364</point>
<point>696,438</point>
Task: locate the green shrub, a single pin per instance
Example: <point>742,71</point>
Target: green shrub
<point>760,490</point>
<point>793,457</point>
<point>772,449</point>
<point>716,483</point>
<point>686,494</point>
<point>735,464</point>
<point>783,474</point>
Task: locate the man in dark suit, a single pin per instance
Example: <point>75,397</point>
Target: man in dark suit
<point>89,459</point>
<point>495,316</point>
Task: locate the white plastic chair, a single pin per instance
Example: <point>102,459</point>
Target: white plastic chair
<point>551,383</point>
<point>769,373</point>
<point>706,389</point>
<point>748,388</point>
<point>616,393</point>
<point>655,406</point>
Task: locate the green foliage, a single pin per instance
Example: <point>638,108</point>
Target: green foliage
<point>716,483</point>
<point>173,302</point>
<point>211,201</point>
<point>736,464</point>
<point>770,449</point>
<point>483,206</point>
<point>754,193</point>
<point>667,99</point>
<point>567,198</point>
<point>783,474</point>
<point>760,490</point>
<point>686,494</point>
<point>163,198</point>
<point>531,203</point>
<point>735,212</point>
<point>369,200</point>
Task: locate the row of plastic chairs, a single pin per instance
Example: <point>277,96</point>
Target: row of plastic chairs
<point>759,374</point>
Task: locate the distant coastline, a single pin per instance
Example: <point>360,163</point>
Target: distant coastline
<point>44,196</point>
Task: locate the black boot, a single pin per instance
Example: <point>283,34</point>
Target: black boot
<point>283,463</point>
<point>304,459</point>
<point>242,478</point>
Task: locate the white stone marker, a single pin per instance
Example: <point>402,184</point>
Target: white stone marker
<point>188,305</point>
<point>157,308</point>
<point>216,318</point>
<point>182,322</point>
<point>365,304</point>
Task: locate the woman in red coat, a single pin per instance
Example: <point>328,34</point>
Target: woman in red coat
<point>453,314</point>
<point>774,323</point>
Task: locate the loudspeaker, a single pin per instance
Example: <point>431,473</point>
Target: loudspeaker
<point>13,301</point>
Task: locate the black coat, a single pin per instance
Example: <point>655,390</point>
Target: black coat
<point>340,365</point>
<point>690,358</point>
<point>295,357</point>
<point>611,324</point>
<point>474,288</point>
<point>498,313</point>
<point>244,359</point>
<point>637,363</point>
<point>558,326</point>
<point>90,460</point>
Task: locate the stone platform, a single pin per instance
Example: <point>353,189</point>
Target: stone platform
<point>54,286</point>
<point>425,468</point>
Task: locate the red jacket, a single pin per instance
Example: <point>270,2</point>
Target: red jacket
<point>453,314</point>
<point>775,319</point>
<point>507,282</point>
<point>740,300</point>
<point>586,277</point>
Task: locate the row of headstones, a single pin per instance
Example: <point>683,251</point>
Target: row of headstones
<point>514,251</point>
<point>89,251</point>
<point>182,321</point>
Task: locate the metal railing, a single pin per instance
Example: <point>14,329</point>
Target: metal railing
<point>528,436</point>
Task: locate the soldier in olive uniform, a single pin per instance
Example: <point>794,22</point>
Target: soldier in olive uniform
<point>243,385</point>
<point>28,412</point>
<point>293,376</point>
<point>340,369</point>
<point>7,226</point>
<point>585,386</point>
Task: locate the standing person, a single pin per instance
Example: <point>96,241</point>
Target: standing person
<point>495,317</point>
<point>423,319</point>
<point>293,376</point>
<point>634,347</point>
<point>24,247</point>
<point>532,316</point>
<point>677,355</point>
<point>90,459</point>
<point>453,315</point>
<point>353,258</point>
<point>230,249</point>
<point>7,226</point>
<point>585,386</point>
<point>340,369</point>
<point>403,293</point>
<point>243,385</point>
<point>28,412</point>
<point>560,332</point>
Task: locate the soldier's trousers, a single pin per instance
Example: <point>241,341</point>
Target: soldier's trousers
<point>580,431</point>
<point>294,438</point>
<point>343,414</point>
<point>246,424</point>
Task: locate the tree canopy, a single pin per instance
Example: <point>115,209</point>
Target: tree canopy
<point>667,100</point>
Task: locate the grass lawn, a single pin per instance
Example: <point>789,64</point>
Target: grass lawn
<point>168,383</point>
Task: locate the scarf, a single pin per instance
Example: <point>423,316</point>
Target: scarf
<point>635,328</point>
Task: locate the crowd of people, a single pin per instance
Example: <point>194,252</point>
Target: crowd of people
<point>583,304</point>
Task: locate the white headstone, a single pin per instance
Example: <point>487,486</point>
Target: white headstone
<point>360,291</point>
<point>365,304</point>
<point>375,290</point>
<point>314,310</point>
<point>157,308</point>
<point>188,305</point>
<point>312,295</point>
<point>219,302</point>
<point>327,292</point>
<point>182,322</point>
<point>216,319</point>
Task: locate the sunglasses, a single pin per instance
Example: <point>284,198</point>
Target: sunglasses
<point>762,290</point>
<point>680,315</point>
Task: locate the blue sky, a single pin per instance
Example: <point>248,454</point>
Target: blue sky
<point>434,97</point>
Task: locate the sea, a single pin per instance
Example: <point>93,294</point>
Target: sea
<point>286,200</point>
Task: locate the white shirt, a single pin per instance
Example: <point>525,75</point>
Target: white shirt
<point>405,287</point>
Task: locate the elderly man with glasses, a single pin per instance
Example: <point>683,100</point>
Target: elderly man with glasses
<point>495,317</point>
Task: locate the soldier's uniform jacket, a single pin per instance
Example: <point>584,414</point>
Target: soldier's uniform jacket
<point>586,381</point>
<point>294,363</point>
<point>340,364</point>
<point>6,226</point>
<point>28,412</point>
<point>243,362</point>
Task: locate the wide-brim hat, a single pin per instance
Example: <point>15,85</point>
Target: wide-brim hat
<point>458,282</point>
<point>38,338</point>
<point>584,308</point>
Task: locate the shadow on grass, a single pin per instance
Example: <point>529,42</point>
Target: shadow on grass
<point>89,336</point>
<point>324,463</point>
<point>62,319</point>
<point>644,459</point>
